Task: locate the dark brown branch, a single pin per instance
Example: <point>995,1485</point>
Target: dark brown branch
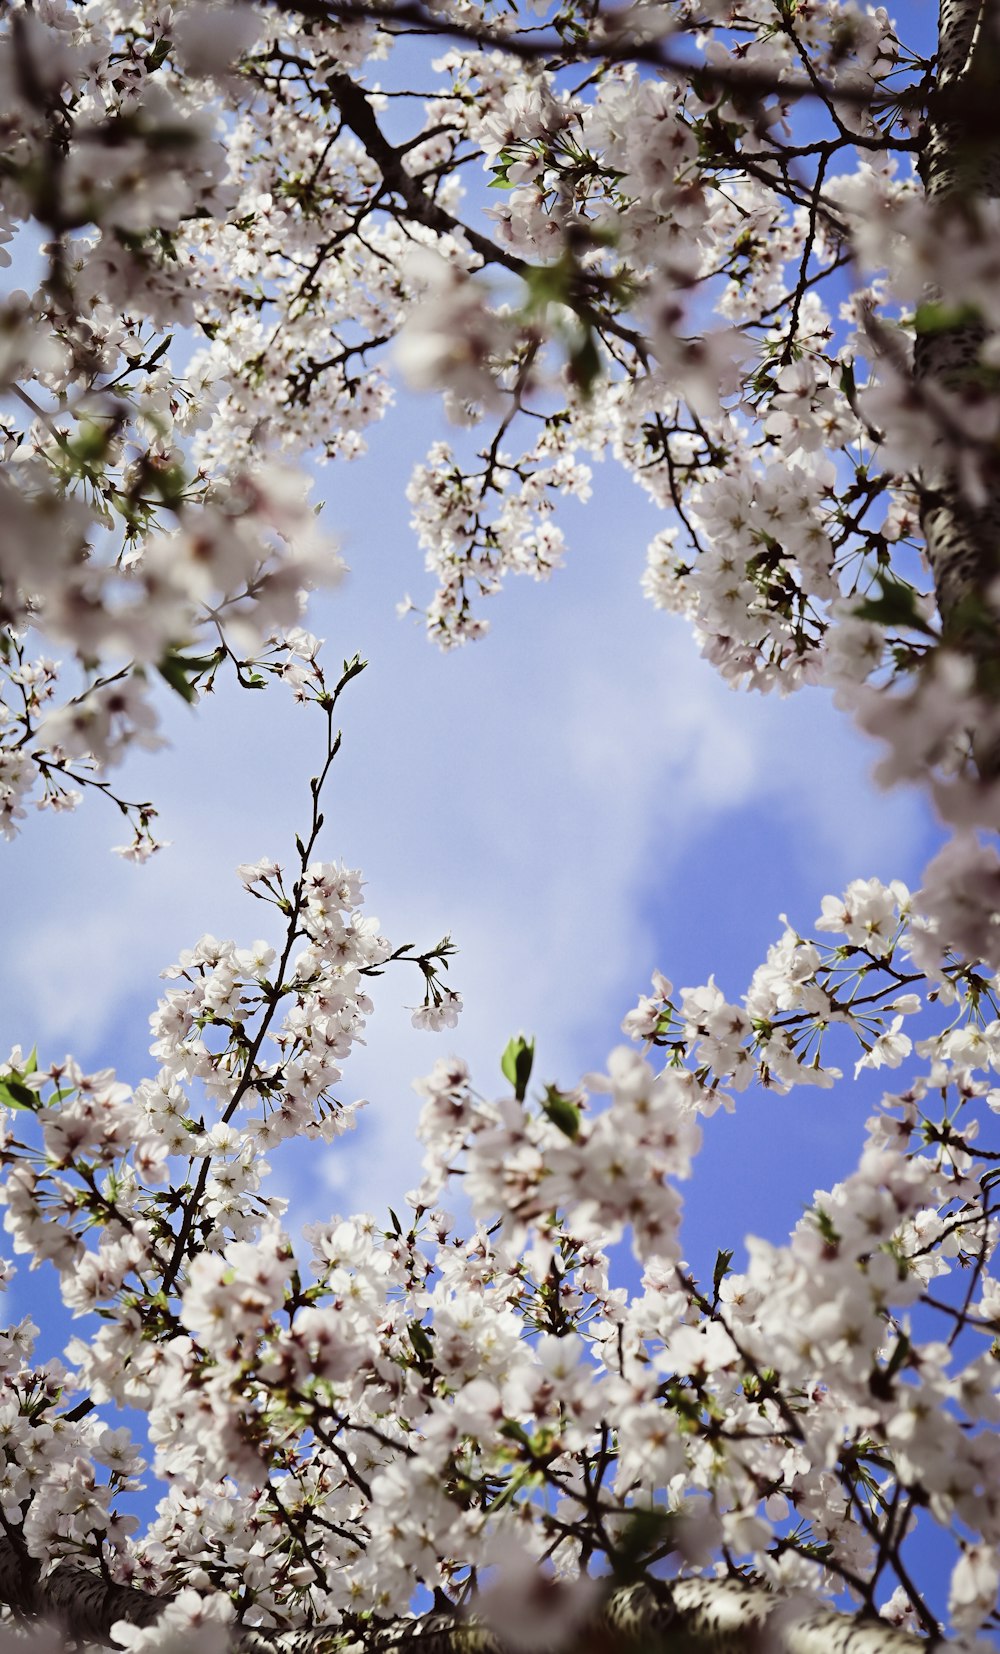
<point>71,1596</point>
<point>357,114</point>
<point>614,45</point>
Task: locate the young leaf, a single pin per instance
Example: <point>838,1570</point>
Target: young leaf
<point>562,1111</point>
<point>179,671</point>
<point>722,1262</point>
<point>585,362</point>
<point>516,1064</point>
<point>15,1095</point>
<point>896,605</point>
<point>421,1341</point>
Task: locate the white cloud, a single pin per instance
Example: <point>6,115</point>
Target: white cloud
<point>552,909</point>
<point>74,981</point>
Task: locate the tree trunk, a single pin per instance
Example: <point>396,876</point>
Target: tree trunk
<point>689,1616</point>
<point>960,164</point>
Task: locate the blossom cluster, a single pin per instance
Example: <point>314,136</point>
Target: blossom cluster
<point>788,339</point>
<point>409,1406</point>
<point>122,559</point>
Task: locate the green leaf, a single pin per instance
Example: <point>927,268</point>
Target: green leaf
<point>824,1224</point>
<point>179,671</point>
<point>421,1341</point>
<point>15,1095</point>
<point>562,1111</point>
<point>900,1354</point>
<point>935,317</point>
<point>896,605</point>
<point>155,57</point>
<point>525,1479</point>
<point>171,484</point>
<point>515,1432</point>
<point>161,350</point>
<point>722,1262</point>
<point>548,283</point>
<point>643,1533</point>
<point>352,669</point>
<point>585,362</point>
<point>516,1064</point>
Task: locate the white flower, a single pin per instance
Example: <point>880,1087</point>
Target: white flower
<point>209,38</point>
<point>975,1581</point>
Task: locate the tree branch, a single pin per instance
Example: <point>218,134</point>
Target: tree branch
<point>357,115</point>
<point>689,1616</point>
<point>613,45</point>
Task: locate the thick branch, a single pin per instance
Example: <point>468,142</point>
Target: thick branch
<point>71,1596</point>
<point>356,113</point>
<point>614,44</point>
<point>420,208</point>
<point>690,1616</point>
<point>962,165</point>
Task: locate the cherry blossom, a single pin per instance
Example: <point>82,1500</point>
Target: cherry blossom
<point>751,255</point>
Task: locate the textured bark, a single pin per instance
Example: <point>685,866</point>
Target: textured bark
<point>960,163</point>
<point>74,1597</point>
<point>691,1616</point>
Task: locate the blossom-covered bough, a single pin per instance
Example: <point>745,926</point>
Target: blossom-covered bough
<point>405,1406</point>
<point>753,251</point>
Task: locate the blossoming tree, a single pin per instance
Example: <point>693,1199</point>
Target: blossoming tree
<point>753,250</point>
